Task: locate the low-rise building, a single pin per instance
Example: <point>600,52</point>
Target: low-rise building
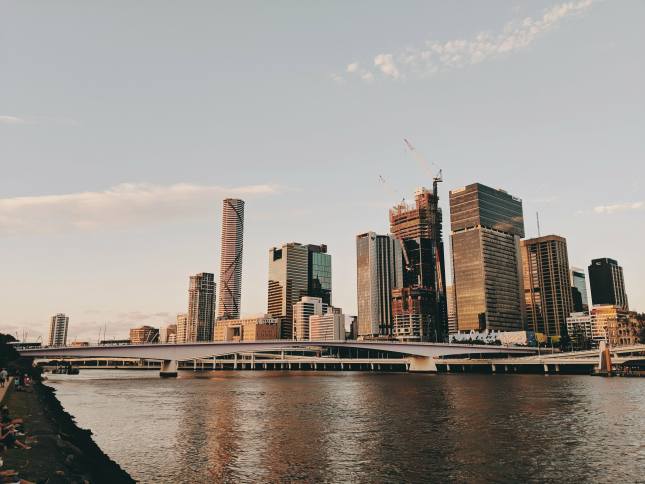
<point>603,323</point>
<point>257,328</point>
<point>302,311</point>
<point>79,343</point>
<point>327,327</point>
<point>144,334</point>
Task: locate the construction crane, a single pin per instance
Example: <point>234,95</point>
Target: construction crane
<point>434,211</point>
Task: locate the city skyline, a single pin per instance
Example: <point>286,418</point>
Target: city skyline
<point>121,210</point>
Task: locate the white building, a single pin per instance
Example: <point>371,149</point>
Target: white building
<point>302,310</point>
<point>58,330</point>
<point>327,327</point>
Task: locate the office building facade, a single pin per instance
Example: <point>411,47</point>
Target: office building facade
<point>329,326</point>
<point>259,328</point>
<point>288,282</point>
<point>201,307</point>
<point>452,309</point>
<point>230,276</point>
<point>607,283</point>
<point>579,290</point>
<point>379,269</point>
<point>319,272</point>
<point>144,334</point>
<point>486,227</point>
<point>302,310</point>
<point>547,284</point>
<point>183,334</point>
<point>58,325</point>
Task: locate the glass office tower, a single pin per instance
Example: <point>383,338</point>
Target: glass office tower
<point>607,283</point>
<point>486,227</point>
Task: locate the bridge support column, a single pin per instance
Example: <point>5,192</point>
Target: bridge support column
<point>546,368</point>
<point>493,368</point>
<point>168,369</point>
<point>422,364</point>
<point>235,361</point>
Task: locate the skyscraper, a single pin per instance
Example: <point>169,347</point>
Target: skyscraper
<point>579,290</point>
<point>319,272</point>
<point>486,227</point>
<point>547,284</point>
<point>607,283</point>
<point>379,269</point>
<point>58,330</point>
<point>201,307</point>
<point>419,228</point>
<point>230,275</point>
<point>288,282</point>
<point>295,271</point>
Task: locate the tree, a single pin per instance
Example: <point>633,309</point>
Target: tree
<point>7,352</point>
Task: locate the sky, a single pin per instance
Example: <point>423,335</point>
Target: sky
<point>124,124</point>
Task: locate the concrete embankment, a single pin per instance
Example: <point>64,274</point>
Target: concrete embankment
<point>61,452</point>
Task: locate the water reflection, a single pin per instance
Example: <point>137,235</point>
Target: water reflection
<point>364,427</point>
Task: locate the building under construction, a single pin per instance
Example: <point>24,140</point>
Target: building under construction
<point>419,307</point>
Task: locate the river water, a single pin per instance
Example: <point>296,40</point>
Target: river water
<point>259,426</point>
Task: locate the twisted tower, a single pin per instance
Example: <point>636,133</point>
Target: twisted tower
<point>230,276</point>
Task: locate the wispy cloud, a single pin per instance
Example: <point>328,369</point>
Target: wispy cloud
<point>618,207</point>
<point>436,56</point>
<point>12,120</point>
<point>122,205</point>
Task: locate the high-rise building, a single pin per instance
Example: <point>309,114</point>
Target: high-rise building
<point>144,334</point>
<point>547,284</point>
<point>307,306</point>
<point>451,303</point>
<point>607,283</point>
<point>579,290</point>
<point>486,227</point>
<point>319,272</point>
<point>183,332</point>
<point>419,229</point>
<point>201,307</point>
<point>329,326</point>
<point>379,269</point>
<point>288,282</point>
<point>58,330</point>
<point>230,275</point>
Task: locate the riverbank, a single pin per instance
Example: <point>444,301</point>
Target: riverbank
<point>61,452</point>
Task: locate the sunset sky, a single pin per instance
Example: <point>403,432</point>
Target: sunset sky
<point>124,124</point>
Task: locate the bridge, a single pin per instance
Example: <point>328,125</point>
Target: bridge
<point>421,356</point>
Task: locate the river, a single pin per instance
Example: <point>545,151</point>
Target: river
<point>260,426</point>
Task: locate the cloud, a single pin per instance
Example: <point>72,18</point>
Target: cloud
<point>618,207</point>
<point>123,205</point>
<point>12,120</point>
<point>437,56</point>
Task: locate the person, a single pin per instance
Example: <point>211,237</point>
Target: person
<point>8,438</point>
<point>3,377</point>
<point>5,417</point>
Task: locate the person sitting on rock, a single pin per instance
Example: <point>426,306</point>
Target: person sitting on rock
<point>9,440</point>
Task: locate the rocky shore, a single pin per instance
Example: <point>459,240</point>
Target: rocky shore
<point>61,452</point>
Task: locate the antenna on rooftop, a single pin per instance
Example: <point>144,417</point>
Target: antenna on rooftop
<point>537,217</point>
